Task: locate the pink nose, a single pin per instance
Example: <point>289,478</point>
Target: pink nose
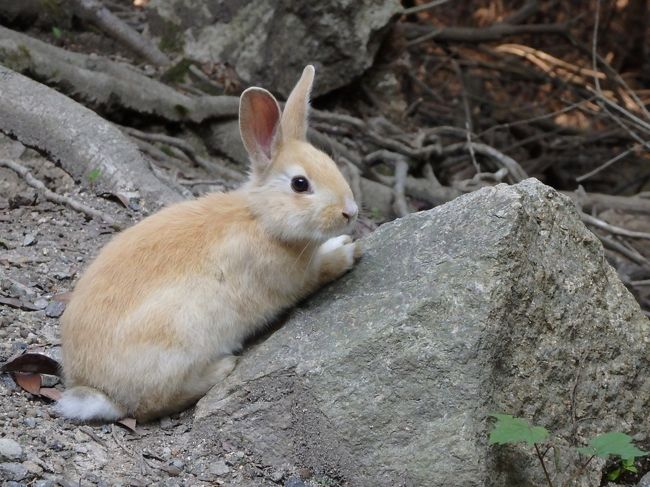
<point>350,210</point>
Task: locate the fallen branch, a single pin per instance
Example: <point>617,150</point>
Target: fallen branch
<point>400,206</point>
<point>86,146</point>
<point>93,11</point>
<point>478,34</point>
<point>515,171</point>
<point>102,83</point>
<point>57,198</point>
<point>603,225</point>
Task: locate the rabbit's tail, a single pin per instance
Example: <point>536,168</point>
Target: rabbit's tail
<point>87,404</point>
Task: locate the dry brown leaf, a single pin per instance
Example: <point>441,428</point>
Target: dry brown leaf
<point>51,393</point>
<point>28,381</point>
<point>32,363</point>
<point>128,423</point>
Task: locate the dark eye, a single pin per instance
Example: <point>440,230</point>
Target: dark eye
<point>300,184</point>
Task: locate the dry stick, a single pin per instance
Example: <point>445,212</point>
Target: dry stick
<point>610,243</point>
<point>597,222</point>
<point>399,205</point>
<point>423,7</point>
<point>95,12</point>
<point>57,198</point>
<point>468,116</point>
<point>606,164</point>
<point>541,459</point>
<point>516,172</point>
<point>187,150</point>
<point>484,34</point>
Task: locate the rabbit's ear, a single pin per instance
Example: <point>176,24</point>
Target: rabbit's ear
<point>294,118</point>
<point>259,126</point>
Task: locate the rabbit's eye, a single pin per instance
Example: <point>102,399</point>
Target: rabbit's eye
<point>300,184</point>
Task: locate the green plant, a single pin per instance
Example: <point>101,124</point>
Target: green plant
<point>93,175</point>
<point>56,32</point>
<point>510,430</point>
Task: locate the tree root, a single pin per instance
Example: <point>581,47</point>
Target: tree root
<point>101,83</point>
<point>57,198</point>
<point>88,147</point>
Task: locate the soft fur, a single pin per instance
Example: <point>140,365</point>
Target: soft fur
<point>154,321</point>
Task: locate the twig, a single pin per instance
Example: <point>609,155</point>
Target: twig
<point>515,171</point>
<point>399,205</point>
<point>610,243</point>
<point>597,222</point>
<point>57,198</point>
<point>95,12</point>
<point>606,164</point>
<point>468,116</point>
<point>482,34</point>
<point>189,151</point>
<point>423,7</point>
<point>541,459</point>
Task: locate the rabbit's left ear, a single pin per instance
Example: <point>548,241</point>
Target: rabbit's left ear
<point>294,118</point>
<point>259,125</point>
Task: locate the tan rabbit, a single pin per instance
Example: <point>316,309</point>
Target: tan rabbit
<point>154,321</point>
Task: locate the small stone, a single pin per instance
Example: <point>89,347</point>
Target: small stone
<point>12,471</point>
<point>30,239</point>
<point>44,483</point>
<point>219,468</point>
<point>41,303</point>
<point>33,467</point>
<point>30,422</point>
<point>645,481</point>
<point>276,475</point>
<point>55,309</point>
<point>10,450</point>
<point>177,463</point>
<point>294,482</point>
<point>166,423</point>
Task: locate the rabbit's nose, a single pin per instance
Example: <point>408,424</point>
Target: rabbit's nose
<point>350,211</point>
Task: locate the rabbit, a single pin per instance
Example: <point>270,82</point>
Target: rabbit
<point>155,320</point>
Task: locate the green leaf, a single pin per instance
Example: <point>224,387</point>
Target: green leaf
<point>628,464</point>
<point>56,32</point>
<point>614,474</point>
<point>618,444</point>
<point>93,175</point>
<point>510,430</point>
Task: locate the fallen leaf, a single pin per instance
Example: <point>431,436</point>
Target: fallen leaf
<point>128,423</point>
<point>32,363</point>
<point>51,393</point>
<point>30,382</point>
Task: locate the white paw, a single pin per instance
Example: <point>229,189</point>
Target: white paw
<point>335,243</point>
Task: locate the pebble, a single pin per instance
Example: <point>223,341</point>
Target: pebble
<point>219,468</point>
<point>30,422</point>
<point>55,309</point>
<point>40,303</point>
<point>44,483</point>
<point>30,239</point>
<point>294,482</point>
<point>12,471</point>
<point>33,468</point>
<point>166,423</point>
<point>645,481</point>
<point>10,450</point>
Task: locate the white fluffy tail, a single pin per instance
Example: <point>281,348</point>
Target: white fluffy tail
<point>87,404</point>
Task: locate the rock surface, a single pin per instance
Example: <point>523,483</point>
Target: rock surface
<point>498,301</point>
<point>270,41</point>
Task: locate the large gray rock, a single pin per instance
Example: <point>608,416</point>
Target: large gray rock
<point>270,41</point>
<point>498,301</point>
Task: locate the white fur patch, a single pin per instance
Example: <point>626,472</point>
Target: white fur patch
<point>335,243</point>
<point>85,404</point>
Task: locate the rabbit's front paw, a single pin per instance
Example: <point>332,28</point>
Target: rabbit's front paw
<point>337,256</point>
